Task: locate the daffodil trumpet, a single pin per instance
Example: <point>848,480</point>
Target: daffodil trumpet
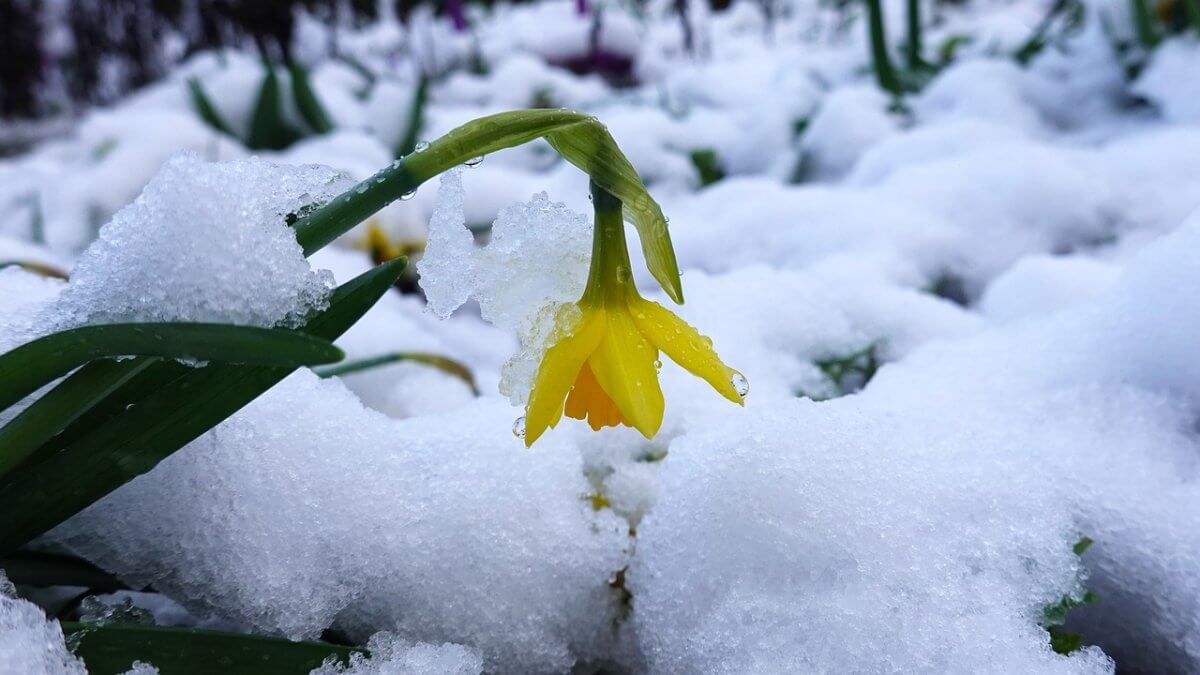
<point>603,367</point>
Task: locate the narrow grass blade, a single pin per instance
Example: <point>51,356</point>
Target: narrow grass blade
<point>416,118</point>
<point>35,568</point>
<point>442,363</point>
<point>268,129</point>
<point>34,364</point>
<point>176,406</point>
<point>61,406</point>
<point>205,108</point>
<point>112,649</point>
<point>307,102</point>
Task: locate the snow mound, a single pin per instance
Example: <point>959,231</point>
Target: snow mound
<point>313,511</point>
<point>848,561</point>
<point>204,242</point>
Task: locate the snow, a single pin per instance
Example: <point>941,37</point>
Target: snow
<point>393,656</point>
<point>1006,264</point>
<point>29,642</point>
<point>535,261</point>
<point>436,528</point>
<point>204,242</point>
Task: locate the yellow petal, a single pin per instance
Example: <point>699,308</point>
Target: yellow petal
<point>624,366</point>
<point>588,401</point>
<point>557,373</point>
<point>685,345</point>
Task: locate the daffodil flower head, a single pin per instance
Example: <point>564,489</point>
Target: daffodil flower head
<point>603,365</point>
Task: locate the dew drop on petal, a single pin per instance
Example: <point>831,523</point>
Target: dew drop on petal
<point>519,427</point>
<point>421,147</point>
<point>658,364</point>
<point>740,385</point>
<point>474,162</point>
<point>407,195</point>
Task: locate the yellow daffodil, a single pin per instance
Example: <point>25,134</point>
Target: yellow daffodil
<point>604,366</point>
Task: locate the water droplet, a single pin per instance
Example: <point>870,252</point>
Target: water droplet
<point>658,364</point>
<point>474,162</point>
<point>361,189</point>
<point>519,427</point>
<point>622,273</point>
<point>408,195</point>
<point>396,164</point>
<point>740,384</point>
<point>421,147</point>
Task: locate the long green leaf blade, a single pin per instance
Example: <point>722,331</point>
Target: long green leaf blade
<point>112,649</point>
<point>61,406</point>
<point>34,364</point>
<point>205,108</point>
<point>306,100</point>
<point>181,406</point>
<point>268,129</point>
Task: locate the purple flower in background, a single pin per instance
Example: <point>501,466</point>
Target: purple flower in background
<point>455,9</point>
<point>581,6</point>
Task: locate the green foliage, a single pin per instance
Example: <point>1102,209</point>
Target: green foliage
<point>708,166</point>
<point>112,649</point>
<point>442,363</point>
<point>34,364</point>
<point>307,102</point>
<point>416,118</point>
<point>1054,616</point>
<point>269,129</point>
<point>846,374</point>
<point>205,108</point>
<point>1066,15</point>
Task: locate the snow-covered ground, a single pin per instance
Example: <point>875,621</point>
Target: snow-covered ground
<point>1015,247</point>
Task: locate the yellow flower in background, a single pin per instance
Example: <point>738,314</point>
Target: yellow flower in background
<point>605,367</point>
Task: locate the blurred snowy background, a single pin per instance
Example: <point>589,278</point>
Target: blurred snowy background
<point>967,309</point>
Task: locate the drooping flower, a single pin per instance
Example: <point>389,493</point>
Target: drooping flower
<point>603,367</point>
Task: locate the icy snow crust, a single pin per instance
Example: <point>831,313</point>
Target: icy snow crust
<point>1018,251</point>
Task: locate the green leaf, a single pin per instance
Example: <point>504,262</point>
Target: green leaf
<point>152,416</point>
<point>416,118</point>
<point>1064,642</point>
<point>442,363</point>
<point>112,649</point>
<point>708,166</point>
<point>34,364</point>
<point>307,102</point>
<point>268,129</point>
<point>205,108</point>
<point>61,406</point>
<point>1082,545</point>
<point>35,568</point>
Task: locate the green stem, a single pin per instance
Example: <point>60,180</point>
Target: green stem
<point>404,175</point>
<point>609,274</point>
<point>914,48</point>
<point>881,61</point>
